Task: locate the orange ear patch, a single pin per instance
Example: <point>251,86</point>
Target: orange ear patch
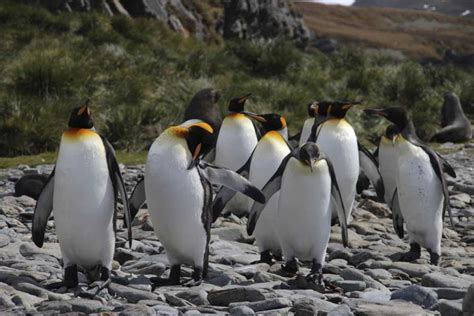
<point>283,121</point>
<point>179,131</point>
<point>204,126</point>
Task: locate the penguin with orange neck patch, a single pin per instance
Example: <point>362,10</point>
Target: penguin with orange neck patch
<point>82,190</point>
<point>271,149</point>
<point>236,141</point>
<point>337,139</point>
<point>178,190</point>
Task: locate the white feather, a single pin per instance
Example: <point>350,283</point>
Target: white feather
<point>306,131</point>
<point>304,215</point>
<point>388,166</point>
<point>175,199</point>
<point>83,203</point>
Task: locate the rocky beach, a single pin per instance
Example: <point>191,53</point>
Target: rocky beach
<point>364,279</point>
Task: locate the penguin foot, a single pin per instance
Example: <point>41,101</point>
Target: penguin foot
<point>266,257</point>
<point>278,257</point>
<point>291,267</point>
<point>175,276</point>
<point>70,279</point>
<point>196,278</point>
<point>413,254</point>
<point>434,257</point>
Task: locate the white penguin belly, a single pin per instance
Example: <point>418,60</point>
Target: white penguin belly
<point>420,196</point>
<point>175,198</point>
<point>388,166</point>
<point>266,159</point>
<point>338,141</point>
<point>83,203</point>
<point>306,131</point>
<point>235,144</point>
<point>304,213</point>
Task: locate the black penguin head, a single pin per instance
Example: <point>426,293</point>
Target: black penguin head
<point>338,109</point>
<point>319,108</point>
<point>81,117</point>
<point>200,141</point>
<point>237,104</point>
<point>308,154</point>
<point>396,115</point>
<point>271,121</point>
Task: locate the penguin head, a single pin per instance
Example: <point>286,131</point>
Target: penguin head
<point>318,108</point>
<point>237,104</point>
<point>270,121</point>
<point>309,154</point>
<point>396,115</point>
<point>81,117</point>
<point>338,109</point>
<point>200,140</point>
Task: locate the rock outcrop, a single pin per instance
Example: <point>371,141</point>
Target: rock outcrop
<point>248,19</point>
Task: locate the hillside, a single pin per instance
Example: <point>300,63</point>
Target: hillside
<point>416,34</point>
<point>452,7</point>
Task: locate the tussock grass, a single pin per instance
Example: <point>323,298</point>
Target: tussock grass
<point>140,76</point>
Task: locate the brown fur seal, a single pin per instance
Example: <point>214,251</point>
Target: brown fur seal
<point>456,126</point>
<point>203,106</point>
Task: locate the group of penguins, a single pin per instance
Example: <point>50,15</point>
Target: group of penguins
<point>292,190</point>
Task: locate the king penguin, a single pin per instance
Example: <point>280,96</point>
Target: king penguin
<point>236,141</point>
<point>177,187</point>
<point>337,139</point>
<point>262,164</point>
<point>82,192</point>
<point>308,123</point>
<point>421,197</point>
<point>308,191</point>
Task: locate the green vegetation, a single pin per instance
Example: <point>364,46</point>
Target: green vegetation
<point>140,76</point>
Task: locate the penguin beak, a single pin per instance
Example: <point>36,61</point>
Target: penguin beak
<point>310,164</point>
<point>84,109</point>
<point>347,106</point>
<point>244,98</point>
<point>195,159</point>
<point>376,112</point>
<point>394,139</point>
<point>256,117</point>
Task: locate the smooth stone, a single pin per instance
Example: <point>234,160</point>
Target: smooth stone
<point>341,310</point>
<point>412,269</point>
<point>86,306</point>
<point>376,208</point>
<point>374,296</point>
<point>424,297</point>
<point>176,301</point>
<point>450,293</point>
<point>164,310</point>
<point>379,274</point>
<point>132,295</point>
<point>364,308</point>
<point>195,296</point>
<point>340,254</point>
<point>134,309</point>
<point>250,270</point>
<point>450,308</point>
<point>123,255</point>
<point>269,304</point>
<point>263,277</point>
<point>59,306</point>
<point>468,301</point>
<point>50,249</point>
<point>241,310</point>
<point>237,294</point>
<point>4,240</point>
<point>311,306</point>
<point>350,285</point>
<point>438,279</point>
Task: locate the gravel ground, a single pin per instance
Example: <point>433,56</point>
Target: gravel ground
<point>363,279</point>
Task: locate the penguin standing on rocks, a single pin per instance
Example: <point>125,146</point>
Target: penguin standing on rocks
<point>178,188</point>
<point>308,191</point>
<point>263,163</point>
<point>236,141</point>
<point>421,197</point>
<point>336,137</point>
<point>82,192</point>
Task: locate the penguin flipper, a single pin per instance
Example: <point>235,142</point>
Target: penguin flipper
<point>258,132</point>
<point>318,120</point>
<point>336,199</point>
<point>138,198</point>
<point>43,209</point>
<point>225,194</point>
<point>447,168</point>
<point>295,137</point>
<point>370,166</point>
<point>118,185</point>
<point>270,188</point>
<point>397,217</point>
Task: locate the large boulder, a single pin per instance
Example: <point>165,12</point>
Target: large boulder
<point>249,19</point>
<point>455,125</point>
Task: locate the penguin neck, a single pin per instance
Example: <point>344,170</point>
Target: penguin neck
<point>409,133</point>
<point>284,133</point>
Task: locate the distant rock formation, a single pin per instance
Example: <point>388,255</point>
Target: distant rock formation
<point>248,19</point>
<point>452,7</point>
<point>245,19</point>
<point>455,125</point>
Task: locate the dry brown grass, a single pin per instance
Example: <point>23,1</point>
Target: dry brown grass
<point>415,33</point>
